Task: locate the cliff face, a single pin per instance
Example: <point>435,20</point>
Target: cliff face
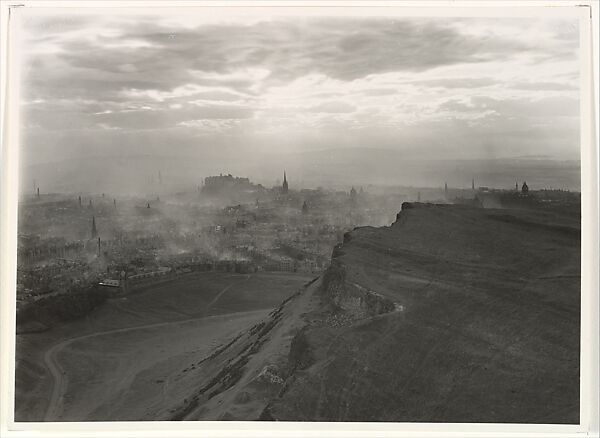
<point>451,314</point>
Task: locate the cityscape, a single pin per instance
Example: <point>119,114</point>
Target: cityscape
<point>232,213</point>
<point>70,243</point>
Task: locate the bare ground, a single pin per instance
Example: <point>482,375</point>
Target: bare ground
<point>118,362</point>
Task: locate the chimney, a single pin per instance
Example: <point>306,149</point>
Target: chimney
<point>94,230</point>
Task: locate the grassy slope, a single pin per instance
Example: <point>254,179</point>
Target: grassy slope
<point>489,330</point>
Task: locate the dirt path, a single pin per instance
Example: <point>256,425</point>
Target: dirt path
<point>220,294</point>
<point>60,379</point>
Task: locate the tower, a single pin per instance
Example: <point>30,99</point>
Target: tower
<point>525,188</point>
<point>94,230</point>
<point>517,186</point>
<point>473,184</point>
<point>304,208</point>
<point>446,189</point>
<point>79,199</point>
<point>114,202</point>
<point>38,192</point>
<point>284,187</point>
<point>159,177</point>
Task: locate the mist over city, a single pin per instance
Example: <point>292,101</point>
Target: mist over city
<point>298,214</point>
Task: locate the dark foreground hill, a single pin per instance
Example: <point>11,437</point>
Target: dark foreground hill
<point>452,314</point>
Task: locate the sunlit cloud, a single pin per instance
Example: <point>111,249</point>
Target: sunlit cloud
<point>398,83</point>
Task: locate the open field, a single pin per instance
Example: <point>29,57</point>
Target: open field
<point>117,363</point>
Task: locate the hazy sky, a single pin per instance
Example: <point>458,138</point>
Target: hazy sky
<point>213,84</point>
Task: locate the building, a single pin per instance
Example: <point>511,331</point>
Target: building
<point>304,208</point>
<point>217,183</point>
<point>525,188</point>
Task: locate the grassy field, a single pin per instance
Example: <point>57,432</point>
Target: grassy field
<point>84,369</point>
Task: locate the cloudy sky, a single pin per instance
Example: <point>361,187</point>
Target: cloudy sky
<point>215,83</point>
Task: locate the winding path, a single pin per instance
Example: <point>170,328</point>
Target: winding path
<point>60,380</point>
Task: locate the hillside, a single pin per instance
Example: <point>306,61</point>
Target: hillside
<point>451,314</point>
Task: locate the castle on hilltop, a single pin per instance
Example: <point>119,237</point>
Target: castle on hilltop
<point>216,184</point>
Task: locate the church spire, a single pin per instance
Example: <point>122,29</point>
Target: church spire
<point>94,230</point>
<point>284,187</point>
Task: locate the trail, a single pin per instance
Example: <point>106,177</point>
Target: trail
<point>220,294</point>
<point>60,380</point>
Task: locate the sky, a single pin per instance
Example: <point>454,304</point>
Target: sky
<point>214,85</point>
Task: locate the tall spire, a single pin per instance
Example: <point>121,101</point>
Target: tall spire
<point>94,230</point>
<point>284,187</point>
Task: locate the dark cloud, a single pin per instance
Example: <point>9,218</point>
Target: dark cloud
<point>342,49</point>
